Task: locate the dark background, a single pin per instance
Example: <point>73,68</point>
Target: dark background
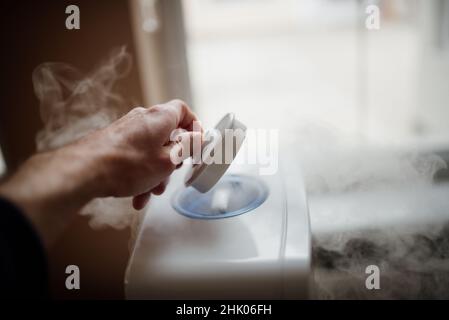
<point>34,32</point>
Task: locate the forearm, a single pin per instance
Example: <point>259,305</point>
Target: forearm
<point>51,187</point>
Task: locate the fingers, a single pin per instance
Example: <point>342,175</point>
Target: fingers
<point>184,115</point>
<point>171,118</point>
<point>176,116</point>
<point>160,188</point>
<point>140,201</point>
<point>188,144</point>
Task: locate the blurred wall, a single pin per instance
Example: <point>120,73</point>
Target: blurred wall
<point>161,50</point>
<point>34,32</point>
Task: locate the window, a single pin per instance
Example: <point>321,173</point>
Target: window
<point>277,63</point>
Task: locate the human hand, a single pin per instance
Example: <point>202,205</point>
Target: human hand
<point>130,157</point>
<point>134,152</point>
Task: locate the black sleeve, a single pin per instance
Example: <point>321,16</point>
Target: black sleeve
<point>23,263</point>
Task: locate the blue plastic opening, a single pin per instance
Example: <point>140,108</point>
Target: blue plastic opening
<point>233,195</point>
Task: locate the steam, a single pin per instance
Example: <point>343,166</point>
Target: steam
<point>333,162</point>
<point>413,263</point>
<point>71,106</point>
<point>372,205</point>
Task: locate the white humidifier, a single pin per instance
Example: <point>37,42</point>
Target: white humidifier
<point>232,235</point>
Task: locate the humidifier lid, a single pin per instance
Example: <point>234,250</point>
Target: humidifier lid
<point>219,149</point>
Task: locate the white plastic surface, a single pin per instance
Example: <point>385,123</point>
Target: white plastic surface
<point>262,254</point>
